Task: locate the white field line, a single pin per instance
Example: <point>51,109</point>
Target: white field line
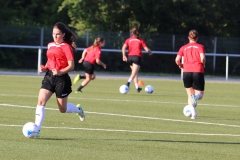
<point>131,116</point>
<point>125,100</point>
<point>130,131</point>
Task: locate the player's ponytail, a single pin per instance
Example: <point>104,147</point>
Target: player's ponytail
<point>97,41</point>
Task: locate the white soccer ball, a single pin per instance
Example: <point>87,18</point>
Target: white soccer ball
<point>187,111</point>
<point>124,89</point>
<point>30,130</point>
<point>149,89</point>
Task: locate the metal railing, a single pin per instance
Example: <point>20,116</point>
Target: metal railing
<point>40,50</point>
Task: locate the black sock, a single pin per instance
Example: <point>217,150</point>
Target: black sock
<point>128,83</point>
<point>82,77</point>
<point>80,88</point>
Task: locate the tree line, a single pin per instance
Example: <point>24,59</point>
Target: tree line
<point>209,17</point>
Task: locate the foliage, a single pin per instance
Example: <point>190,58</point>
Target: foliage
<point>32,12</point>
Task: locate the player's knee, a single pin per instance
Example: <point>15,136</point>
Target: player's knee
<point>41,103</point>
<point>62,110</point>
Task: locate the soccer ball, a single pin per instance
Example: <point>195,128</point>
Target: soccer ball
<point>187,111</point>
<point>124,89</point>
<point>149,89</point>
<point>30,130</point>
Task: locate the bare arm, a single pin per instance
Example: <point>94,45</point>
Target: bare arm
<point>124,47</point>
<point>203,58</point>
<point>99,62</point>
<point>83,56</point>
<point>178,61</point>
<point>67,69</point>
<point>148,51</point>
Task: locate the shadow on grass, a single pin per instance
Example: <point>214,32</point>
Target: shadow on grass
<point>55,139</point>
<point>172,141</point>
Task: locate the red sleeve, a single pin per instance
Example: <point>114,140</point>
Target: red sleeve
<point>98,53</point>
<point>68,53</point>
<point>143,43</point>
<point>180,52</point>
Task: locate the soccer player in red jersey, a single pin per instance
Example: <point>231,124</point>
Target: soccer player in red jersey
<point>134,55</point>
<point>60,61</point>
<point>90,55</point>
<point>193,55</point>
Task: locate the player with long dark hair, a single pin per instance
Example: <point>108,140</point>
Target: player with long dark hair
<point>60,61</point>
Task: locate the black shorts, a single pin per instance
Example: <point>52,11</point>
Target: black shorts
<point>61,85</point>
<point>134,59</point>
<point>194,79</point>
<point>88,67</point>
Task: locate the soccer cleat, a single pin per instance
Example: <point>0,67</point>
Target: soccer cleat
<point>38,135</point>
<point>78,91</point>
<point>81,114</point>
<point>194,100</point>
<point>193,117</point>
<point>139,89</point>
<point>77,78</point>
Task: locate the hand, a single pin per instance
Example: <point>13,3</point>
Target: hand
<point>80,60</point>
<point>181,66</point>
<point>125,58</point>
<point>150,53</point>
<point>104,66</point>
<point>55,72</point>
<point>42,68</point>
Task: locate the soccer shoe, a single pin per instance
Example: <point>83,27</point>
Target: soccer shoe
<point>77,78</point>
<point>193,117</point>
<point>194,100</point>
<point>81,114</point>
<point>78,91</point>
<point>139,89</point>
<point>38,135</point>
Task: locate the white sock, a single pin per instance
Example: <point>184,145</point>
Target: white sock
<point>193,109</point>
<point>130,80</point>
<point>72,108</point>
<point>39,116</point>
<point>136,85</point>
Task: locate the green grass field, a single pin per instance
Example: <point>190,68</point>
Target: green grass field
<point>135,126</point>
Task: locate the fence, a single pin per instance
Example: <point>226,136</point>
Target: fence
<point>40,49</point>
<point>223,58</point>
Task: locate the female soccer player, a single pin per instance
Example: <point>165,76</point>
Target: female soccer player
<point>60,61</point>
<point>193,65</point>
<point>90,55</point>
<point>134,56</point>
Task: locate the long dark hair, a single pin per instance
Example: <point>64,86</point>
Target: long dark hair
<point>69,36</point>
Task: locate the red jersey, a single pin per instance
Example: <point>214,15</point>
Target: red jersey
<point>135,46</point>
<point>92,54</point>
<point>191,57</point>
<point>58,55</point>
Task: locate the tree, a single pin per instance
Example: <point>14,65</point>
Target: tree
<point>32,12</point>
